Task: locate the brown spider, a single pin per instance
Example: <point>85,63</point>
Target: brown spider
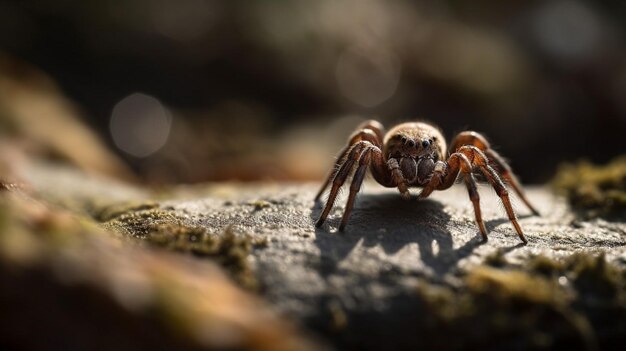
<point>413,155</point>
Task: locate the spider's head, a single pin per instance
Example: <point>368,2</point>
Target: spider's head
<point>415,140</point>
<point>405,146</point>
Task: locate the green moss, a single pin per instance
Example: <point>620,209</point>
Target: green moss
<point>260,204</point>
<point>594,190</point>
<point>512,286</point>
<point>594,279</point>
<point>579,301</point>
<point>109,212</point>
<point>228,249</point>
<point>142,222</point>
<point>166,230</point>
<point>497,307</point>
<point>545,266</point>
<point>260,243</point>
<point>496,259</point>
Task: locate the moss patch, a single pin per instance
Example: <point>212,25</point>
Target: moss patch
<point>577,302</point>
<point>260,204</point>
<point>164,229</point>
<point>496,259</point>
<point>594,190</point>
<point>107,213</point>
<point>228,249</point>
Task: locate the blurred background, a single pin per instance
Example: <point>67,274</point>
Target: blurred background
<point>200,90</point>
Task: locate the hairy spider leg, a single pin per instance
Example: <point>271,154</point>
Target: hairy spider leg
<point>373,158</point>
<point>477,158</point>
<point>342,175</point>
<point>470,184</point>
<point>371,131</point>
<point>334,170</point>
<point>476,139</point>
<point>398,179</point>
<point>357,180</point>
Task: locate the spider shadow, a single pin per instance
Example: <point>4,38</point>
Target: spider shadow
<point>493,223</point>
<point>392,223</point>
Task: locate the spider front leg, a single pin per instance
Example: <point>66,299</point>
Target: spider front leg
<point>471,138</point>
<point>444,176</point>
<point>371,131</point>
<point>357,181</point>
<point>361,152</point>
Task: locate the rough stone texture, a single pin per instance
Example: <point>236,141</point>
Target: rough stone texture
<point>405,274</point>
<point>388,243</point>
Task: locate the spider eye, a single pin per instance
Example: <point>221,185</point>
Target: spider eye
<point>411,142</point>
<point>425,143</point>
<point>403,140</point>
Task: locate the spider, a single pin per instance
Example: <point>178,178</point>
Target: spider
<point>414,154</point>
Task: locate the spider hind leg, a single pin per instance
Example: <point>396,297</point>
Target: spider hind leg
<point>478,159</point>
<point>470,138</point>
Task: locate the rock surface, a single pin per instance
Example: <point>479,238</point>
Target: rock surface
<point>405,274</point>
<point>362,283</point>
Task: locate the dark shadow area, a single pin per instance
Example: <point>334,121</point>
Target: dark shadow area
<point>393,223</point>
<point>508,249</point>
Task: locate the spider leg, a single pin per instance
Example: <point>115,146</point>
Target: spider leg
<point>509,176</point>
<point>444,176</point>
<point>398,179</point>
<point>479,159</point>
<point>443,171</point>
<point>371,131</point>
<point>479,141</point>
<point>333,171</point>
<point>341,176</point>
<point>357,181</point>
<point>470,183</point>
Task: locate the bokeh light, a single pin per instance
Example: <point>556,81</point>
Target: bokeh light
<point>140,125</point>
<point>367,77</point>
<point>568,30</point>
